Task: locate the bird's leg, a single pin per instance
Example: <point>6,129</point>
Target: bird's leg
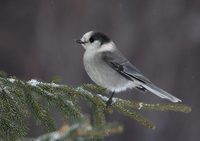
<point>109,102</point>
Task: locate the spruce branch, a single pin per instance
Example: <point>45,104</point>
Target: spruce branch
<point>22,99</point>
<point>129,108</point>
<point>82,130</point>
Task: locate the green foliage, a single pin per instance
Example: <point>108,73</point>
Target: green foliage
<point>81,131</point>
<point>19,100</point>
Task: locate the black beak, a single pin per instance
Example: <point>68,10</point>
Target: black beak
<point>79,41</point>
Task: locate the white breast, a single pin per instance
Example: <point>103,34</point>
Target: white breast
<point>102,74</point>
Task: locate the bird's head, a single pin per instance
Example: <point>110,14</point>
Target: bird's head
<point>96,41</point>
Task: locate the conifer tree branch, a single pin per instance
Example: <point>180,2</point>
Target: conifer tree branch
<point>140,105</point>
<point>81,130</point>
<point>20,100</point>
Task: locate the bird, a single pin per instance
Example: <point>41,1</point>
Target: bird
<point>108,68</point>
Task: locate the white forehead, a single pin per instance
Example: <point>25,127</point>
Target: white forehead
<point>87,35</point>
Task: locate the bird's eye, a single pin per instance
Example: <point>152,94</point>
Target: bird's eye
<point>91,40</point>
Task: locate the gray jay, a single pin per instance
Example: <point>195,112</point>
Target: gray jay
<point>108,68</point>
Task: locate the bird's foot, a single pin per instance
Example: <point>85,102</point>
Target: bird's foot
<point>109,102</point>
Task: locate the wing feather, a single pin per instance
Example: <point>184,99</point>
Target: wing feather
<point>123,66</point>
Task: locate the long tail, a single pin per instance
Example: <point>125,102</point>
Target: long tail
<point>159,92</point>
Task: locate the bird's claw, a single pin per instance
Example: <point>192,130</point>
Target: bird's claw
<point>109,102</point>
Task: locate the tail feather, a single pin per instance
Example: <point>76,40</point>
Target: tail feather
<point>161,93</point>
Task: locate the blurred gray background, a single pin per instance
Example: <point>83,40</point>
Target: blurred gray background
<point>162,38</point>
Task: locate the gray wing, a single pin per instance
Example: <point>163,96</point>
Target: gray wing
<point>123,66</point>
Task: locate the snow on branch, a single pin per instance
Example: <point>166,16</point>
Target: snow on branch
<point>21,99</point>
